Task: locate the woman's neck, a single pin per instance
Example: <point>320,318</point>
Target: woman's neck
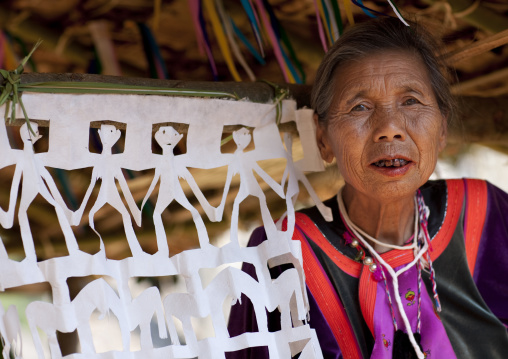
<point>391,223</point>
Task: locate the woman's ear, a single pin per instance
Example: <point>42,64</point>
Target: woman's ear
<point>322,141</point>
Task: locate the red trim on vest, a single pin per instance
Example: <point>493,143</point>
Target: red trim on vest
<point>453,211</point>
<point>326,296</point>
<point>476,211</point>
<point>342,261</point>
<point>367,292</point>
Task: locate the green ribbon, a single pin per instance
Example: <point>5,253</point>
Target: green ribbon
<point>10,91</point>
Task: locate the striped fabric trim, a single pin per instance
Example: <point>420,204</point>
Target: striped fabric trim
<point>326,297</point>
<point>476,210</point>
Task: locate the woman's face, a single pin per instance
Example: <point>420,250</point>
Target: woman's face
<point>384,127</point>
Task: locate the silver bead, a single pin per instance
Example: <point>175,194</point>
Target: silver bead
<point>354,243</point>
<point>367,261</point>
<point>373,267</point>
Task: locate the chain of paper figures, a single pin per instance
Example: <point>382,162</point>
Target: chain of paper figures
<point>285,293</point>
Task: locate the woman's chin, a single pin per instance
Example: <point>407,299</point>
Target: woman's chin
<point>389,188</point>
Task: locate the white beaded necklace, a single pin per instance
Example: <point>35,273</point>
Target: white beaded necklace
<point>419,252</point>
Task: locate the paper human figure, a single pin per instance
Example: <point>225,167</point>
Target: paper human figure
<point>108,170</point>
<point>168,170</point>
<point>7,158</point>
<point>248,185</point>
<point>10,332</point>
<point>36,180</point>
<point>298,176</point>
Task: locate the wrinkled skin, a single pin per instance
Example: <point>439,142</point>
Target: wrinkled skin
<point>383,108</point>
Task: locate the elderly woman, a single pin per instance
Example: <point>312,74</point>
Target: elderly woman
<point>409,268</point>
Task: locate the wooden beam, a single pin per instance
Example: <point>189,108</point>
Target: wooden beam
<point>490,114</point>
<point>253,91</point>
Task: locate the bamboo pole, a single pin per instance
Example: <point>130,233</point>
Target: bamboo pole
<point>488,113</point>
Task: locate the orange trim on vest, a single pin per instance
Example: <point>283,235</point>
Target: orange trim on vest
<point>342,261</point>
<point>476,211</point>
<point>367,292</point>
<point>326,298</point>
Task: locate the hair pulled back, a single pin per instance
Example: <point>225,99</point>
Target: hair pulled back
<point>374,36</point>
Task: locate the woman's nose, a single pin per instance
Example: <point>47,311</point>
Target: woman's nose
<point>388,126</point>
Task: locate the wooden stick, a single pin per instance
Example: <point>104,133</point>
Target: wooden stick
<point>476,48</point>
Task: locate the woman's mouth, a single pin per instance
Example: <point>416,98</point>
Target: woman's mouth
<point>397,162</point>
<point>392,167</point>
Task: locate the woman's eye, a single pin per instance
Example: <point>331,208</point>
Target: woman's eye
<point>411,101</point>
<point>359,108</point>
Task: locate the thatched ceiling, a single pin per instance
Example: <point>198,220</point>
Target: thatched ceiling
<point>67,28</point>
<point>78,33</point>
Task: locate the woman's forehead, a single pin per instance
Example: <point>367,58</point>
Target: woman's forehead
<point>387,71</point>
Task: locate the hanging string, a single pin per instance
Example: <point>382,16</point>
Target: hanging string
<point>320,26</point>
<point>423,213</point>
<point>349,11</point>
<point>201,35</point>
<point>254,23</point>
<point>207,46</point>
<point>368,10</point>
<point>156,63</point>
<point>365,9</point>
<point>292,54</point>
<point>247,43</point>
<point>226,22</point>
<point>221,38</point>
<point>275,44</point>
<point>338,18</point>
<point>397,12</point>
<point>105,48</point>
<point>334,27</point>
<point>282,38</point>
<point>325,19</point>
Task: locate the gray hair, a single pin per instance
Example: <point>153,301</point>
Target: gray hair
<point>378,35</point>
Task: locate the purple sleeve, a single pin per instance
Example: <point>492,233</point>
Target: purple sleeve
<point>491,269</point>
<point>242,318</point>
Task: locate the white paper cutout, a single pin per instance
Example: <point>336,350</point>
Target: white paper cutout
<point>168,170</point>
<point>36,180</point>
<point>242,165</point>
<point>10,331</point>
<point>108,170</point>
<point>69,117</point>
